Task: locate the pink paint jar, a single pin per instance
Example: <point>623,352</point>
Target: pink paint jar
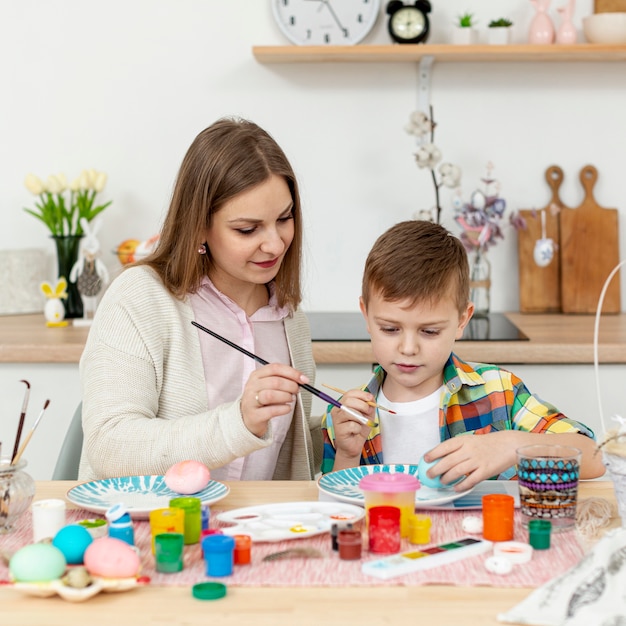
<point>391,489</point>
<point>384,529</point>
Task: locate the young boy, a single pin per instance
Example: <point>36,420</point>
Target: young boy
<point>415,300</point>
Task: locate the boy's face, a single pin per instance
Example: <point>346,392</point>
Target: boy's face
<point>413,342</point>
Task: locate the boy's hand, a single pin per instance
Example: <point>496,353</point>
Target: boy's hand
<point>477,457</point>
<point>350,435</point>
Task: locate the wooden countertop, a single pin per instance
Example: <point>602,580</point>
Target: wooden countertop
<point>553,338</point>
<point>332,606</point>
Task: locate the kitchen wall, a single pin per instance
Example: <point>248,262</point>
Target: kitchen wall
<point>125,85</point>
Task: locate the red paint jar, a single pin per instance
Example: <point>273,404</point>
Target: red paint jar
<point>384,529</point>
<point>350,544</point>
<point>243,546</point>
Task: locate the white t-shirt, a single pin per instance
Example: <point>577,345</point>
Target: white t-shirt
<point>414,429</point>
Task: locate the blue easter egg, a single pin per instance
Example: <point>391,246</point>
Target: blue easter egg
<point>422,467</point>
<point>73,540</point>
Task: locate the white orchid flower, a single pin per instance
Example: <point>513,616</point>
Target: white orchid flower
<point>428,156</point>
<point>54,185</point>
<point>34,184</point>
<point>450,175</point>
<point>100,182</point>
<point>419,124</point>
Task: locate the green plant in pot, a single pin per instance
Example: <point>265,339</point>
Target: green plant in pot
<point>499,31</point>
<point>62,216</point>
<point>464,32</point>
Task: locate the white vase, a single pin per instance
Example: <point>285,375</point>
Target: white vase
<point>464,36</point>
<point>499,35</point>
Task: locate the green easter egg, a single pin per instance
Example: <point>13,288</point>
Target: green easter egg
<point>38,562</point>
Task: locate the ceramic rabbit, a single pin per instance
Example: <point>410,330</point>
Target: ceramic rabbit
<point>54,311</point>
<point>566,33</point>
<point>89,272</point>
<point>541,26</point>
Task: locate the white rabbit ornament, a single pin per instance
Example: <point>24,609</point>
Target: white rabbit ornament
<point>54,311</point>
<point>89,272</point>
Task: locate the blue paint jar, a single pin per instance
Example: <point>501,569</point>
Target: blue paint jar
<point>218,553</point>
<point>120,524</point>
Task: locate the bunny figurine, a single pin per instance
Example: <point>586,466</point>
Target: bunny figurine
<point>541,26</point>
<point>89,272</point>
<point>566,33</point>
<point>54,311</point>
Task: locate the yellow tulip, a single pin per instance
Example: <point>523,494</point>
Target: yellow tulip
<point>53,185</point>
<point>34,184</point>
<point>100,182</point>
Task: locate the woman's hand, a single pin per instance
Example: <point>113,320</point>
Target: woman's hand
<point>350,435</point>
<point>270,391</point>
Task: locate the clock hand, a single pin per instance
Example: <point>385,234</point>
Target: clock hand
<point>330,8</point>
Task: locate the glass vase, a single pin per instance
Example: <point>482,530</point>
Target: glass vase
<point>17,489</point>
<point>480,282</point>
<point>67,247</point>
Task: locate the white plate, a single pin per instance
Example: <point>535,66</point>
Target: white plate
<point>289,520</point>
<point>343,485</point>
<point>140,494</point>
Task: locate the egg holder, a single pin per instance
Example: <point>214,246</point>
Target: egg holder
<point>72,594</point>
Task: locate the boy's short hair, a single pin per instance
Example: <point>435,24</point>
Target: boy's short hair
<point>417,261</point>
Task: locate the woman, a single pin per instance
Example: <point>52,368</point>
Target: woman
<point>156,389</point>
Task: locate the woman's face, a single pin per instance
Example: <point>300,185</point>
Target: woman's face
<point>249,237</point>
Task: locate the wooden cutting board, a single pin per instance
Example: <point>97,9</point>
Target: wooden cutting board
<point>609,6</point>
<point>589,252</point>
<point>540,287</point>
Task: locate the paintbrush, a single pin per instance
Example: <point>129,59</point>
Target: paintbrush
<point>377,406</point>
<point>316,392</point>
<point>20,425</point>
<point>18,456</point>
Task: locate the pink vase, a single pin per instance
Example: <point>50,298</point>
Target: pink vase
<point>566,33</point>
<point>541,27</point>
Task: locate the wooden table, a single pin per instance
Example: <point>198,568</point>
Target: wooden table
<point>265,606</point>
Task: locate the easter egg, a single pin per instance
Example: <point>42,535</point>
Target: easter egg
<point>73,540</point>
<point>126,251</point>
<point>111,558</point>
<point>187,477</point>
<point>433,483</point>
<point>37,562</point>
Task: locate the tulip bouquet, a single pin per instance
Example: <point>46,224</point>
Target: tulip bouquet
<point>428,156</point>
<point>61,215</point>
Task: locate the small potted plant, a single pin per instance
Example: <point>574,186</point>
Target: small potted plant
<point>464,32</point>
<point>499,31</point>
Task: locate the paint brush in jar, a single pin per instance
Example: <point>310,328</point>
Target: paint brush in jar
<point>20,425</point>
<point>18,456</point>
<point>316,392</point>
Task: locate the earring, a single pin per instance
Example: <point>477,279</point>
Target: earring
<point>203,249</point>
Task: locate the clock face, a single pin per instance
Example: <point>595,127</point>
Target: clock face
<point>325,22</point>
<point>408,23</point>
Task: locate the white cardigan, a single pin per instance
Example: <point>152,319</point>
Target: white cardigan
<point>144,392</point>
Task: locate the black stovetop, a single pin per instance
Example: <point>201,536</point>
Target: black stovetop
<point>348,326</point>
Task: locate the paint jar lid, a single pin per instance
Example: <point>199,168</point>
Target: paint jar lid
<point>208,591</point>
<point>116,512</point>
<point>389,482</point>
<point>514,551</point>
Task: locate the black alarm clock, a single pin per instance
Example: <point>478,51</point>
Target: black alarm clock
<point>408,23</point>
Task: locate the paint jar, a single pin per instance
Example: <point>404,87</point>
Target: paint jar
<point>384,529</point>
<point>335,528</point>
<point>419,529</point>
<point>120,524</point>
<point>48,518</point>
<point>218,553</point>
<point>539,533</point>
<point>193,517</point>
<point>391,489</point>
<point>169,552</point>
<point>498,512</point>
<point>350,545</point>
<point>166,521</point>
<point>243,546</point>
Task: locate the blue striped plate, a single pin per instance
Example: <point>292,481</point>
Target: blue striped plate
<point>343,485</point>
<point>140,494</point>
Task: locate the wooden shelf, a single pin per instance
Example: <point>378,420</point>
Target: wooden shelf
<point>412,53</point>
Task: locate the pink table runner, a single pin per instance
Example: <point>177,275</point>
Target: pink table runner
<point>330,570</point>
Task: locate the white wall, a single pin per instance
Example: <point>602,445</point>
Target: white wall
<point>125,85</point>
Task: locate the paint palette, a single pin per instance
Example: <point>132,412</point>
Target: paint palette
<point>415,560</point>
<point>288,520</point>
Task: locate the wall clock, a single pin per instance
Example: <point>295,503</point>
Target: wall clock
<point>408,23</point>
<point>325,22</point>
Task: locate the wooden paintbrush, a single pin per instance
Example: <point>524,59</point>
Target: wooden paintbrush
<point>20,425</point>
<point>18,456</point>
<point>377,406</point>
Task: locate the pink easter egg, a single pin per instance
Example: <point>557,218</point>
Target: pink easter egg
<point>111,558</point>
<point>187,477</point>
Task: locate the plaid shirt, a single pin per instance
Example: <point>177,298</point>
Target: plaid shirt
<point>477,398</point>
